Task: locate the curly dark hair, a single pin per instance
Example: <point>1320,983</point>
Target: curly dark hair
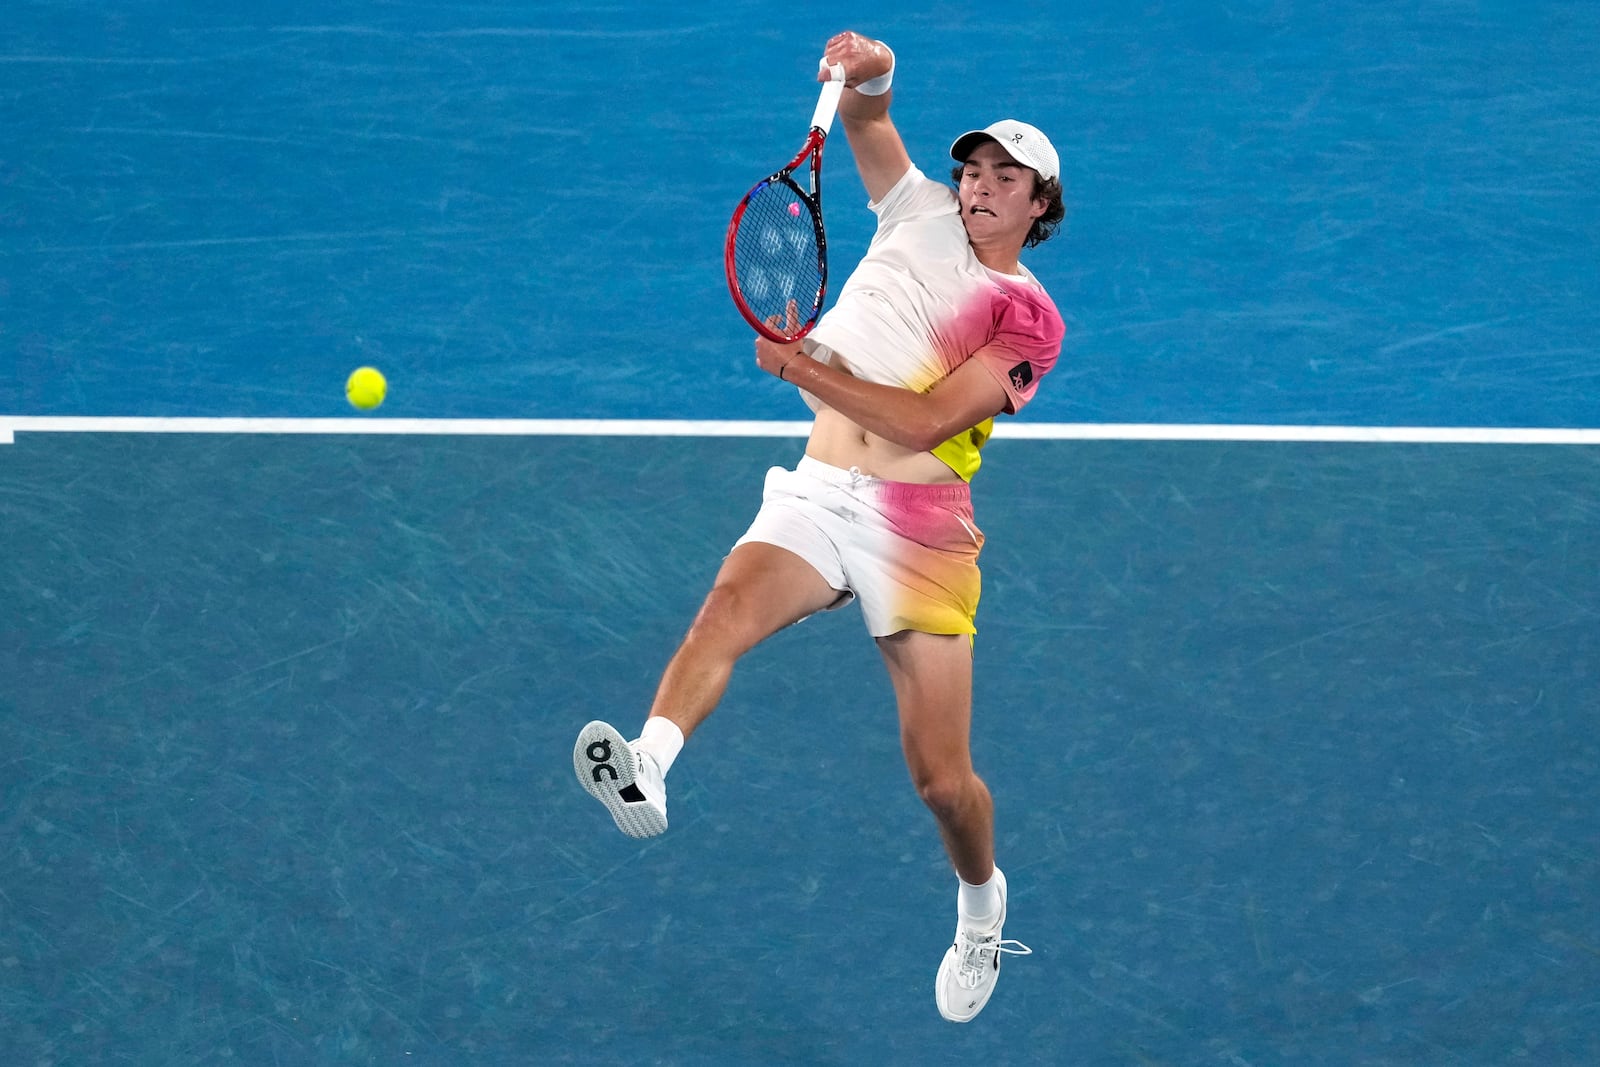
<point>1044,227</point>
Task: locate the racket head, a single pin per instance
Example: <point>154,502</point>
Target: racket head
<point>777,257</point>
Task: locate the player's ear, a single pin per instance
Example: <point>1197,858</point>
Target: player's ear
<point>1041,199</point>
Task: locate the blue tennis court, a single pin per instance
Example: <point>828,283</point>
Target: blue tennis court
<point>1292,741</point>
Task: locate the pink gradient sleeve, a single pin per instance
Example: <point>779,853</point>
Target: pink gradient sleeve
<point>1026,342</point>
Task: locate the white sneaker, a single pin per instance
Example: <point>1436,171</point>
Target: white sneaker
<point>628,782</point>
<point>971,966</point>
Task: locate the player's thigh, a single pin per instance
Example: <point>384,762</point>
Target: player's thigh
<point>761,589</point>
<point>932,679</point>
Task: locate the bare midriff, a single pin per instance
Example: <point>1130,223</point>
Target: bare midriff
<point>838,442</point>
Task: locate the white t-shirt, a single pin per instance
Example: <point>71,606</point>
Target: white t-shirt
<point>920,304</point>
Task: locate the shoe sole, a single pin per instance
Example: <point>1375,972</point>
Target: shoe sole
<point>604,763</point>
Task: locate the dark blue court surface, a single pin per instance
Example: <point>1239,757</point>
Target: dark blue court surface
<point>1294,745</point>
<point>1293,748</point>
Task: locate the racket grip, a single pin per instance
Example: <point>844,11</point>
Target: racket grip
<point>828,100</point>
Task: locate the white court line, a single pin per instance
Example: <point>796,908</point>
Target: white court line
<point>408,427</point>
<point>1044,431</point>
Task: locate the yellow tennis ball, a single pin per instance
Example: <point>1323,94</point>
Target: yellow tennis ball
<point>365,388</point>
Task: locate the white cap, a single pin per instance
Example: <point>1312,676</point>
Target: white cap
<point>1023,143</point>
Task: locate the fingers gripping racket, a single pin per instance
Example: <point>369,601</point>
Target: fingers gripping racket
<point>777,253</point>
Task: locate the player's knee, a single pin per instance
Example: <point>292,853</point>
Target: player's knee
<point>948,794</point>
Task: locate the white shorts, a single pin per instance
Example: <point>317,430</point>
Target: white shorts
<point>907,552</point>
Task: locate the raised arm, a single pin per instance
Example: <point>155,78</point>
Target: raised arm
<point>880,155</point>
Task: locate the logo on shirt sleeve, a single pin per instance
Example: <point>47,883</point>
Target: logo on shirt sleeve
<point>1021,376</point>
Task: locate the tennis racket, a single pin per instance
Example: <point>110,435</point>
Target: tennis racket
<point>777,253</point>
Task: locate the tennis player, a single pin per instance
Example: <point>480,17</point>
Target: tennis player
<point>939,329</point>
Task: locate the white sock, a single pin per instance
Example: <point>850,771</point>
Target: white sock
<point>663,740</point>
<point>980,903</point>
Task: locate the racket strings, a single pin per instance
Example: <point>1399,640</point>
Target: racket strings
<point>777,256</point>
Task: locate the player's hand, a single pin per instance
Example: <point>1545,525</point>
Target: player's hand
<point>773,356</point>
<point>862,57</point>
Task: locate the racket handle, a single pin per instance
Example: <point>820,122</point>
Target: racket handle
<point>828,100</point>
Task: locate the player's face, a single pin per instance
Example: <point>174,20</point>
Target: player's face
<point>996,196</point>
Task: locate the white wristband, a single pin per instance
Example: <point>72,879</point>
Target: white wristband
<point>879,85</point>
